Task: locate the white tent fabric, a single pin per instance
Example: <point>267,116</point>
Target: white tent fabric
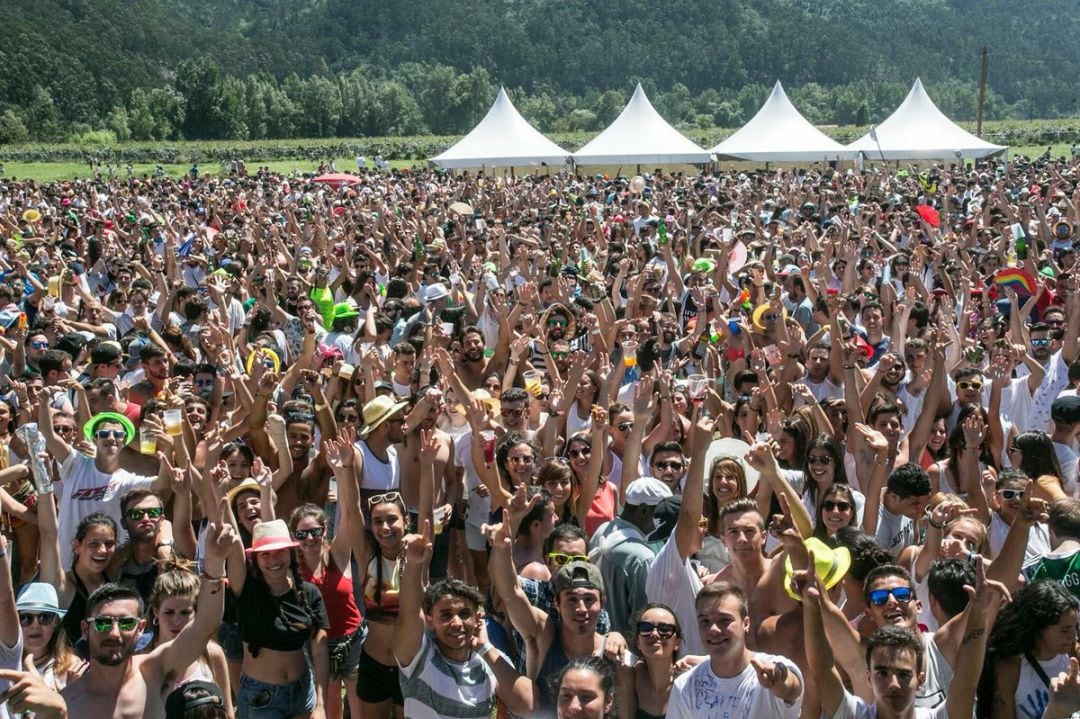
<point>779,133</point>
<point>918,130</point>
<point>639,136</point>
<point>502,139</point>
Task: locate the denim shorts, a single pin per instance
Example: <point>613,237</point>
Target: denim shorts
<point>231,644</point>
<point>259,700</point>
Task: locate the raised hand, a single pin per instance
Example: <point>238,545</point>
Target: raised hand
<point>770,675</point>
<point>28,694</point>
<point>417,547</point>
<point>974,432</point>
<point>429,446</point>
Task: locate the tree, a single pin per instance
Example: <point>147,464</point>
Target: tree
<point>12,128</point>
<point>117,122</point>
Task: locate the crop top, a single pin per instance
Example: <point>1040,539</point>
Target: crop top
<point>386,608</point>
<point>278,623</point>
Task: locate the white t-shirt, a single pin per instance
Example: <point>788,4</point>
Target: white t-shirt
<point>1056,379</point>
<point>85,490</point>
<point>700,694</point>
<point>894,531</point>
<point>10,658</point>
<point>1038,543</point>
<point>673,581</point>
<point>1068,460</point>
<point>479,507</point>
<point>852,707</point>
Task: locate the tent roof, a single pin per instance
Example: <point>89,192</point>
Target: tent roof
<point>640,136</point>
<point>502,139</point>
<point>918,130</point>
<point>779,133</point>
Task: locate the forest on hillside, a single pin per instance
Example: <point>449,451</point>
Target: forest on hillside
<point>265,69</point>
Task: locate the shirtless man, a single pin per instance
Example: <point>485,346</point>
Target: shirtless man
<point>744,537</point>
<point>120,684</point>
<point>473,367</point>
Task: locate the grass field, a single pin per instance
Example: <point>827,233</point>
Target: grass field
<point>53,171</point>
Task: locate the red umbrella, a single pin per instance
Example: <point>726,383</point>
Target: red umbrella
<point>929,214</point>
<point>337,179</point>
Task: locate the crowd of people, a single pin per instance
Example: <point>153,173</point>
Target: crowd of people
<point>776,443</point>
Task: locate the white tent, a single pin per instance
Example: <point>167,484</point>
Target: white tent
<point>502,139</point>
<point>779,133</point>
<point>639,136</point>
<point>918,130</point>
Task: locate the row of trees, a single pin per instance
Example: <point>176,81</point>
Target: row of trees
<point>203,102</point>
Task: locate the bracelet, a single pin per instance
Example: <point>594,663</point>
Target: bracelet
<point>849,366</point>
<point>884,463</point>
<point>930,521</point>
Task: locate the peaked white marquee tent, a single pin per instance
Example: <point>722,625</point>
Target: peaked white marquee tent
<point>639,136</point>
<point>502,139</point>
<point>779,133</point>
<point>918,130</point>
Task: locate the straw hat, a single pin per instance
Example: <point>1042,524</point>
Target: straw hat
<point>759,313</point>
<point>378,411</point>
<point>270,537</point>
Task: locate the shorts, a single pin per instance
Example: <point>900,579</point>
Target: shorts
<point>259,700</point>
<point>474,539</point>
<point>377,682</point>
<point>231,643</point>
<point>347,670</point>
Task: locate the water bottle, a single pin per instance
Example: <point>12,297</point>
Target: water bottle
<point>35,445</point>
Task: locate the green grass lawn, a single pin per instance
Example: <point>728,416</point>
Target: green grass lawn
<point>53,171</point>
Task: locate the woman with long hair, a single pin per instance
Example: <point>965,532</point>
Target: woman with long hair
<point>1034,453</point>
<point>172,607</point>
<point>40,617</point>
<point>1031,641</point>
<point>836,509</point>
<point>656,637</point>
<point>945,473</point>
<point>725,483</point>
<point>824,468</point>
<point>557,479</point>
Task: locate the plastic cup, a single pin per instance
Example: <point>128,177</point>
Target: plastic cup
<point>147,441</point>
<point>439,518</point>
<point>487,436</point>
<point>533,379</point>
<point>695,386</point>
<point>629,353</point>
<point>174,419</point>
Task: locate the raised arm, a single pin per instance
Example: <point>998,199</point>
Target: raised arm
<point>409,627</point>
<point>686,526</point>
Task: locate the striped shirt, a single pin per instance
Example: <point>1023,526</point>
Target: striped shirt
<point>433,686</point>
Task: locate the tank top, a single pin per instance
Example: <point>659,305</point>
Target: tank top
<point>602,508</point>
<point>76,611</point>
<point>574,423</point>
<point>380,476</point>
<point>1032,694</point>
<point>554,661</point>
<point>337,593</point>
<point>387,605</point>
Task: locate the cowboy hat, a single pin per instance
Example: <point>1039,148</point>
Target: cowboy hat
<point>830,565</point>
<point>378,411</point>
<point>270,537</point>
<point>759,313</point>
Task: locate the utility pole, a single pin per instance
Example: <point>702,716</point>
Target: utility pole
<point>982,89</point>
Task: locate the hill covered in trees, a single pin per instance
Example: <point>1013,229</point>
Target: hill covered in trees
<point>253,69</point>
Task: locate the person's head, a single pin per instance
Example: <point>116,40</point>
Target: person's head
<point>1064,520</point>
<point>452,614</point>
<point>668,464</point>
<point>564,544</point>
<point>835,510</point>
<point>142,512</point>
<point>307,525</point>
<point>872,316</point>
<point>196,412</point>
<point>1040,620</point>
<point>817,362</point>
<point>472,345</point>
<point>890,597</point>
<point>585,689</point>
<point>969,386</point>
<point>908,490</point>
<point>55,365</point>
<point>172,602</point>
<point>102,395</point>
<point>742,529</point>
<point>94,543</point>
<point>155,363</point>
<point>389,519</point>
<point>238,458</point>
<point>945,585</point>
<point>1034,453</point>
<point>196,700</point>
<point>299,427</point>
<point>727,483</point>
<point>539,520</point>
<point>579,452</point>
<point>885,417</point>
<point>557,479</point>
<point>622,422</point>
<point>40,616</point>
<point>894,667</point>
<point>723,620</point>
<point>656,632</point>
<point>792,442</point>
<point>579,597</point>
<point>513,406</point>
<point>1040,341</point>
<point>824,464</point>
<point>516,456</point>
<point>1009,490</point>
<point>113,623</point>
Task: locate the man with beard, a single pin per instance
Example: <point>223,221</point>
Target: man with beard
<point>155,366</point>
<point>96,484</point>
<point>447,491</point>
<point>824,380</point>
<point>472,366</point>
<point>120,684</point>
<point>668,464</point>
<point>377,465</point>
<point>143,512</point>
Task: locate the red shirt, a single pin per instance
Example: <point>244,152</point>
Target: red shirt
<point>337,593</point>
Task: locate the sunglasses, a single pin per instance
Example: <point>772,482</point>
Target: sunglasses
<point>1040,343</point>
<point>559,355</point>
<point>575,453</point>
<point>543,396</point>
<point>63,430</point>
<point>105,624</point>
<point>558,559</point>
<point>314,533</point>
<point>110,434</point>
<point>830,506</point>
<point>1011,494</point>
<point>40,345</point>
<point>624,426</point>
<point>520,460</point>
<point>670,464</point>
<point>387,498</point>
<point>770,317</point>
<point>823,460</point>
<point>349,418</point>
<point>1055,323</point>
<point>969,385</point>
<point>44,619</point>
<point>665,630</point>
<point>879,597</point>
<point>152,512</point>
<point>512,412</point>
<point>557,323</point>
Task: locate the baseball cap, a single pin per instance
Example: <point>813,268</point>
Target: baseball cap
<point>579,575</point>
<point>106,353</point>
<point>1065,410</point>
<point>666,516</point>
<point>647,491</point>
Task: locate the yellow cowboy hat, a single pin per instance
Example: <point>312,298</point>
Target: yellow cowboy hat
<point>759,313</point>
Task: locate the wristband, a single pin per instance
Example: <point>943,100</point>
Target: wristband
<point>930,521</point>
<point>849,366</point>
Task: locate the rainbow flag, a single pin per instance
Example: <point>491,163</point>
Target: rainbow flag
<point>1021,281</point>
